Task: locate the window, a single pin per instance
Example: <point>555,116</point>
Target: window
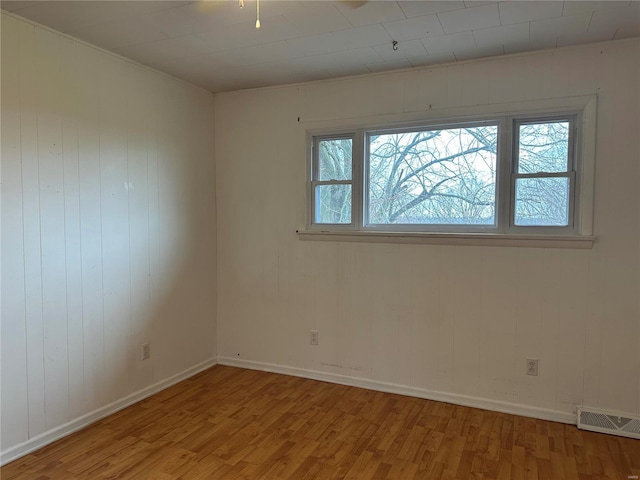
<point>512,174</point>
<point>333,180</point>
<point>544,177</point>
<point>434,176</point>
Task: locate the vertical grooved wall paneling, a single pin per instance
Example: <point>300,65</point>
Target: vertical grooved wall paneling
<point>108,229</point>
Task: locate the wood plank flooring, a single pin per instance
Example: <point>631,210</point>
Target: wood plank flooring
<point>230,423</point>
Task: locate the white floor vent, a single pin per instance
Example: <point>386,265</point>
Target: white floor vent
<point>607,422</point>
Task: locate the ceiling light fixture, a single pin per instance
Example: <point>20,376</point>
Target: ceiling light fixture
<point>241,5</point>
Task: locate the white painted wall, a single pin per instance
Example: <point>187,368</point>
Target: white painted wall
<point>108,229</point>
<point>451,319</point>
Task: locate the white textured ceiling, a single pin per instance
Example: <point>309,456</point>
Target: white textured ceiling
<point>216,45</point>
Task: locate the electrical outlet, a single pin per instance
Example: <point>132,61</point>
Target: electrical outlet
<point>146,351</point>
<point>532,366</point>
<point>314,337</point>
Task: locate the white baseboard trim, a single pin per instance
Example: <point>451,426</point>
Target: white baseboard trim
<point>465,400</point>
<point>54,434</point>
<point>79,423</point>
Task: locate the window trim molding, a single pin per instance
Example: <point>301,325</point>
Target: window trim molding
<point>583,107</point>
<point>451,238</point>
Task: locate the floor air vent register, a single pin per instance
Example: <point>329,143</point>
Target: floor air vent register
<point>607,422</point>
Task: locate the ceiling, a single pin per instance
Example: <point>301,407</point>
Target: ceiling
<point>216,45</point>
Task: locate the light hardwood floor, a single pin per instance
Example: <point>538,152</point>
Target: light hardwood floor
<point>230,423</point>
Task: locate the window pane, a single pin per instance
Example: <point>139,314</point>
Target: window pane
<point>542,201</point>
<point>544,147</point>
<point>333,204</point>
<point>334,159</point>
<point>433,177</point>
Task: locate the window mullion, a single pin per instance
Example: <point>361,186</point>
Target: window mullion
<point>503,180</point>
<point>314,161</point>
<point>357,197</point>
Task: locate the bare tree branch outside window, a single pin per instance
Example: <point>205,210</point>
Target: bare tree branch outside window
<point>447,176</point>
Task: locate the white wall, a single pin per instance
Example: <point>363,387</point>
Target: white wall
<point>457,320</point>
<point>108,229</point>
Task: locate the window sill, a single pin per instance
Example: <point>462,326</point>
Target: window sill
<point>476,239</point>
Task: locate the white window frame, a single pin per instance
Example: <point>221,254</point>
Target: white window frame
<point>421,227</point>
<point>315,181</point>
<point>581,111</point>
<point>573,171</point>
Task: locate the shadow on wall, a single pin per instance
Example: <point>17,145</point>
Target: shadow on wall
<point>170,301</point>
<point>108,230</point>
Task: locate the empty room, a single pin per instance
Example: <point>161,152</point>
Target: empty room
<point>324,239</point>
